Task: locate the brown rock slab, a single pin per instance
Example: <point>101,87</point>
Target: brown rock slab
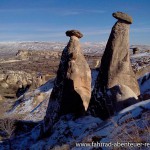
<point>123,16</point>
<point>1,98</point>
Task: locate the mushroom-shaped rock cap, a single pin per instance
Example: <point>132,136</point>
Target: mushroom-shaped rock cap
<point>136,48</point>
<point>123,16</point>
<point>76,33</point>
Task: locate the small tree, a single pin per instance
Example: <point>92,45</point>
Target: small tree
<point>7,125</point>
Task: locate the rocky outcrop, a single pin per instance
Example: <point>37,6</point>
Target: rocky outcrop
<point>1,98</point>
<point>115,66</point>
<point>18,82</point>
<point>13,77</point>
<point>21,78</point>
<point>4,85</point>
<point>35,54</point>
<point>72,87</point>
<point>2,76</point>
<point>122,97</point>
<point>135,50</point>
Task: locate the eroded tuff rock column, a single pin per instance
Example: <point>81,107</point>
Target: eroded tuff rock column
<point>77,89</point>
<point>115,66</point>
<point>72,88</point>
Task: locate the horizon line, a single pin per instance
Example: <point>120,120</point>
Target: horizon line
<point>96,42</point>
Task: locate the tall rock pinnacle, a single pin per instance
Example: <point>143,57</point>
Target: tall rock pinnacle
<point>115,66</point>
<point>72,88</point>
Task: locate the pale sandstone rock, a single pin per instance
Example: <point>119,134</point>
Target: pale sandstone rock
<point>19,84</point>
<point>72,87</point>
<point>97,63</point>
<point>115,64</point>
<point>39,98</point>
<point>1,98</point>
<point>11,79</point>
<point>115,68</point>
<point>4,85</point>
<point>22,54</point>
<point>26,54</point>
<point>2,77</point>
<point>123,97</point>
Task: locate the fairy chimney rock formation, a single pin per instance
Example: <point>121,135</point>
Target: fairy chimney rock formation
<point>72,87</point>
<point>115,66</point>
<point>78,79</point>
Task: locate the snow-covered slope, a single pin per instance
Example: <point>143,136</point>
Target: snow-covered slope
<point>144,83</point>
<point>130,125</point>
<point>141,47</point>
<point>94,73</point>
<point>88,47</point>
<point>13,47</point>
<point>124,127</point>
<point>140,61</point>
<point>32,105</point>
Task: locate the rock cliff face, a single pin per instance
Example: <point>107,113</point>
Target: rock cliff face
<point>122,96</point>
<point>26,54</point>
<point>115,66</point>
<point>72,87</point>
<point>16,83</point>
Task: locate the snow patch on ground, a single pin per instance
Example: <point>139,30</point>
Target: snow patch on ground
<point>144,104</point>
<point>70,131</point>
<point>94,73</point>
<point>140,55</point>
<point>144,83</point>
<point>29,106</point>
<point>24,105</point>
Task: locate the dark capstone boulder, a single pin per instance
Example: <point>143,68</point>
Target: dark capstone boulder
<point>76,33</point>
<point>123,16</point>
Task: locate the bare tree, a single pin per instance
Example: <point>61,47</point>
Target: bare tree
<point>7,125</point>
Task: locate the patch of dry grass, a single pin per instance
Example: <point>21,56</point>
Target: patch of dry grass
<point>134,130</point>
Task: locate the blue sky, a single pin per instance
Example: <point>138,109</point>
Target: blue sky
<point>47,20</point>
